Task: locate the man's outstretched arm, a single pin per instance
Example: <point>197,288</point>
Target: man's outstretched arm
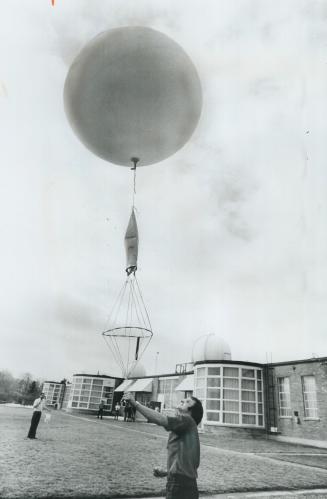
<point>151,415</point>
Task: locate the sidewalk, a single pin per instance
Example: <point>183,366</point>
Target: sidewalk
<point>316,493</point>
<point>278,494</point>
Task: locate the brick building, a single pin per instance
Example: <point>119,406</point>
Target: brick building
<point>286,400</point>
<point>296,399</point>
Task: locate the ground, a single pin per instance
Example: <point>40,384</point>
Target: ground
<point>81,456</point>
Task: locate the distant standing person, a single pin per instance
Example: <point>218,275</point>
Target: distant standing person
<point>117,409</point>
<point>100,411</point>
<point>38,407</point>
<point>126,410</point>
<point>183,445</point>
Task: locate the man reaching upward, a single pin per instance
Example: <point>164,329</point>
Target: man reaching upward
<point>183,445</point>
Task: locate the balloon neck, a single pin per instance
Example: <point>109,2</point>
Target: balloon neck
<point>134,161</point>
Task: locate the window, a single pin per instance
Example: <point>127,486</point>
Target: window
<point>167,390</point>
<point>309,397</point>
<point>213,393</point>
<point>230,383</point>
<point>231,372</point>
<point>231,405</point>
<point>213,416</point>
<point>94,406</point>
<point>97,392</point>
<point>248,384</point>
<point>213,371</point>
<point>248,373</point>
<point>231,395</point>
<point>200,383</point>
<point>95,400</point>
<point>213,405</point>
<point>248,396</point>
<point>284,397</point>
<point>246,419</point>
<point>231,418</point>
<point>98,382</point>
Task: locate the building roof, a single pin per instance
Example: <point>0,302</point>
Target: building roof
<point>187,385</point>
<point>124,385</point>
<point>302,361</point>
<point>141,385</point>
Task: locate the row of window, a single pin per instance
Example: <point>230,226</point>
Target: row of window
<point>231,395</point>
<point>309,395</point>
<point>87,393</point>
<point>52,392</point>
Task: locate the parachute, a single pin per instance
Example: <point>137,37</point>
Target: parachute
<point>131,244</point>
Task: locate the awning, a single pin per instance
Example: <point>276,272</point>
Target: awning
<point>125,384</point>
<point>187,385</point>
<point>142,385</point>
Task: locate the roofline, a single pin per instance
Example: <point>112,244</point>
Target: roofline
<point>55,382</point>
<point>235,362</point>
<point>183,373</point>
<point>301,361</point>
<point>98,376</point>
<point>161,375</point>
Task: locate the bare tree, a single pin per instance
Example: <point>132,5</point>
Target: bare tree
<point>8,386</point>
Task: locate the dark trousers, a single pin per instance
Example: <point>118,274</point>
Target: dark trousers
<point>34,424</point>
<point>181,487</point>
<point>100,413</point>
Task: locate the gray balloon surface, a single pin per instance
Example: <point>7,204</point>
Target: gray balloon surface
<point>133,92</point>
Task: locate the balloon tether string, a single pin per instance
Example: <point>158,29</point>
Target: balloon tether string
<point>135,161</point>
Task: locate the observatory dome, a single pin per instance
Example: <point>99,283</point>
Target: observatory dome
<point>137,372</point>
<point>210,347</point>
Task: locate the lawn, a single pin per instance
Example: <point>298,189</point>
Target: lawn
<point>90,458</point>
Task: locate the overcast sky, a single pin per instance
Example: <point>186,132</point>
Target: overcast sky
<point>232,227</point>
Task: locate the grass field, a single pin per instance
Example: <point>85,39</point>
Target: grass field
<point>86,457</point>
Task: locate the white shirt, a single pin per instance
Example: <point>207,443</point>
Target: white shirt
<point>39,404</point>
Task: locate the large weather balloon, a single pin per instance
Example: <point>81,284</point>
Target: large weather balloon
<point>133,92</point>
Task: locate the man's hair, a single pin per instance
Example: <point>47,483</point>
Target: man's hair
<point>196,410</point>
